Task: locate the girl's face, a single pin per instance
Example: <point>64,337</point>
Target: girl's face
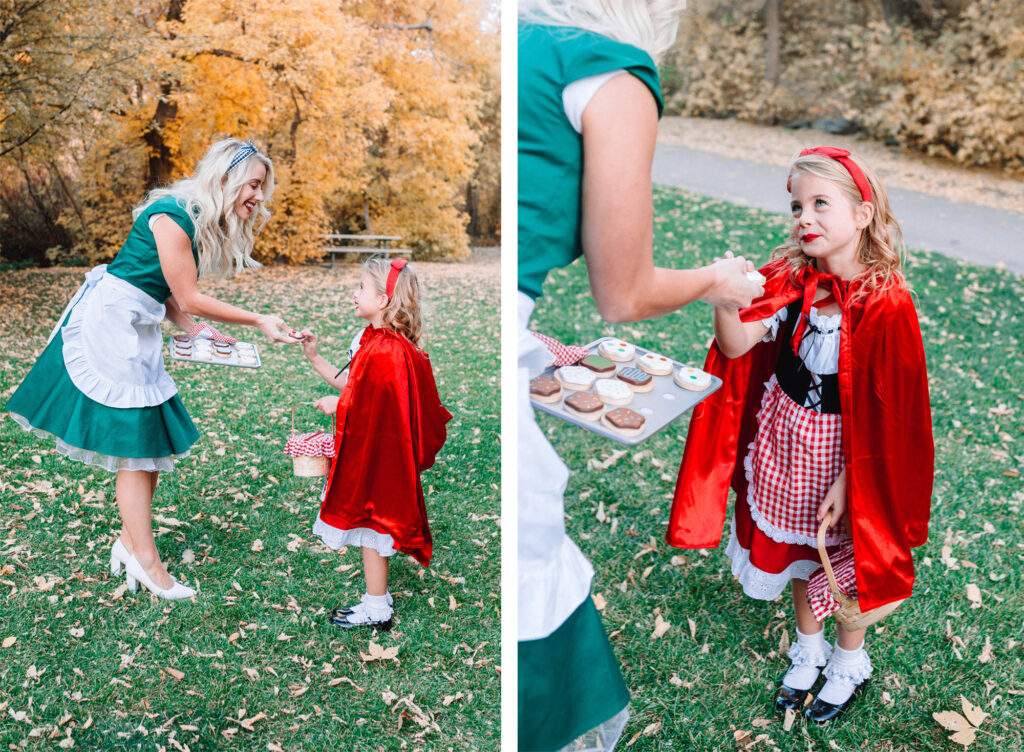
<point>251,194</point>
<point>827,224</point>
<point>369,304</point>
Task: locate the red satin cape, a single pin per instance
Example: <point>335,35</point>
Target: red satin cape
<point>888,450</point>
<point>391,425</point>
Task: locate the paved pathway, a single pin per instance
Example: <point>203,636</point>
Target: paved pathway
<point>976,233</point>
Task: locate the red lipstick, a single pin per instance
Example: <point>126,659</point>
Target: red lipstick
<point>808,237</point>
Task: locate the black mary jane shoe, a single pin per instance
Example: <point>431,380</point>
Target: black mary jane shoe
<point>788,698</point>
<point>378,626</point>
<point>822,712</point>
<point>339,612</point>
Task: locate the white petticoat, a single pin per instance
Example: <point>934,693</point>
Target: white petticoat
<point>364,537</point>
<point>107,462</point>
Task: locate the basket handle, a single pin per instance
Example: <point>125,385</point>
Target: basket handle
<point>334,418</point>
<point>824,555</point>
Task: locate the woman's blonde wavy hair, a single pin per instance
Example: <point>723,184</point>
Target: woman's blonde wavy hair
<point>225,241</point>
<point>402,313</point>
<point>650,25</point>
<point>881,247</point>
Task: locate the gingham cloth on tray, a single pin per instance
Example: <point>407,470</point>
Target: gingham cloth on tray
<point>796,457</point>
<point>565,355</point>
<point>312,444</point>
<point>819,594</point>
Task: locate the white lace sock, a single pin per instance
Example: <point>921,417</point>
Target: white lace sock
<point>847,670</point>
<point>809,653</point>
<point>375,609</point>
<point>362,600</point>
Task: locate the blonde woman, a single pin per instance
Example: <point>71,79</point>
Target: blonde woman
<point>589,102</point>
<point>100,390</point>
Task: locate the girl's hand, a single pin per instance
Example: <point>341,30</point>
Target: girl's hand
<point>835,500</point>
<point>275,330</point>
<point>309,342</point>
<point>731,287</point>
<point>327,405</point>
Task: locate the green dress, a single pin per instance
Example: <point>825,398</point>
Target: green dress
<point>570,686</point>
<point>129,415</point>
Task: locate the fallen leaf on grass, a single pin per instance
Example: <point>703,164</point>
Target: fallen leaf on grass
<point>452,603</point>
<point>599,601</point>
<point>986,653</point>
<point>248,723</point>
<point>234,636</point>
<point>693,628</point>
<point>252,673</point>
<point>119,591</point>
<point>964,731</point>
<point>787,723</point>
<point>660,627</point>
<point>8,641</point>
<point>377,653</point>
<point>449,699</point>
<point>298,690</point>
<point>76,632</point>
<point>761,722</point>
<point>173,672</point>
<point>257,545</point>
<point>974,595</point>
<point>188,556</point>
<point>345,680</point>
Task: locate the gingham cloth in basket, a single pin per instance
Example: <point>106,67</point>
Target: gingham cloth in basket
<point>819,594</point>
<point>312,444</point>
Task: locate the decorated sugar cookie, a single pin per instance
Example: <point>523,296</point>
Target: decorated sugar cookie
<point>617,350</point>
<point>577,378</point>
<point>655,364</point>
<point>624,421</point>
<point>692,378</point>
<point>603,368</point>
<point>584,405</point>
<point>613,392</point>
<point>543,389</point>
<point>639,381</point>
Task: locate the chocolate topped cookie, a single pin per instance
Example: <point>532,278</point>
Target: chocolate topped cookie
<point>543,389</point>
<point>623,420</point>
<point>584,405</point>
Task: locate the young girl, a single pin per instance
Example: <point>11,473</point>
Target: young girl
<point>100,389</point>
<point>390,426</point>
<point>824,411</point>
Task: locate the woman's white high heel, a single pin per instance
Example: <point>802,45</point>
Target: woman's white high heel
<point>136,574</point>
<point>119,556</point>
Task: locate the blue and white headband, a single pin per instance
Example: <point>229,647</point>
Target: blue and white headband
<point>241,155</point>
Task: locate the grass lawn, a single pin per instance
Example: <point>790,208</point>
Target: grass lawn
<point>252,663</point>
<point>708,683</point>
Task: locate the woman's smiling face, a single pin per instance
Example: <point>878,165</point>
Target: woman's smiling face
<point>251,194</point>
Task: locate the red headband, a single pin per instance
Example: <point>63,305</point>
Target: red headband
<point>396,268</point>
<point>842,156</point>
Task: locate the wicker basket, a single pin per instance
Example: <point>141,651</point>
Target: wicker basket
<point>308,466</point>
<point>849,613</point>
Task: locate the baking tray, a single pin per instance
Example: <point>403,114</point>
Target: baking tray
<point>660,406</point>
<point>215,360</point>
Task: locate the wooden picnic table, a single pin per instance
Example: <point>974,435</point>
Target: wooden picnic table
<point>382,245</point>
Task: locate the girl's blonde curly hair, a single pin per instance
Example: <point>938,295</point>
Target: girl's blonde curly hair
<point>881,247</point>
<point>402,313</point>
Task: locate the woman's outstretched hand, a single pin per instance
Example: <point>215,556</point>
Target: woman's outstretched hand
<point>732,288</point>
<point>327,405</point>
<point>276,331</point>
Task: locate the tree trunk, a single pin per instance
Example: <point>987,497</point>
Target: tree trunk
<point>160,166</point>
<point>772,34</point>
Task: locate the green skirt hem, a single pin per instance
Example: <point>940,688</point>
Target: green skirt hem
<point>569,682</point>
